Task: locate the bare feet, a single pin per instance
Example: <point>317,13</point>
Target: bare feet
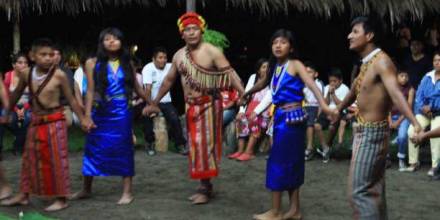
<point>200,199</point>
<point>80,195</point>
<point>269,215</point>
<point>5,192</point>
<point>292,215</point>
<point>19,199</point>
<point>126,199</point>
<point>194,196</point>
<point>59,204</point>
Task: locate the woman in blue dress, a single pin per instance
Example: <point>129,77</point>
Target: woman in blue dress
<point>285,166</point>
<point>109,149</point>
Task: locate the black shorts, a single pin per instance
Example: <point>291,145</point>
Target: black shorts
<point>312,115</point>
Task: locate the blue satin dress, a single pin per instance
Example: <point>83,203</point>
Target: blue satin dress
<point>109,149</point>
<point>285,166</point>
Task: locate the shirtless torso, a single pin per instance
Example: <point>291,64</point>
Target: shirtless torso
<point>205,56</point>
<point>373,100</point>
<point>49,97</point>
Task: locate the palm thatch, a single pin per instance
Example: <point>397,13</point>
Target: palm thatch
<point>392,10</point>
<point>15,8</point>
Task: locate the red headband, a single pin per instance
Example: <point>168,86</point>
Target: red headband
<point>191,18</point>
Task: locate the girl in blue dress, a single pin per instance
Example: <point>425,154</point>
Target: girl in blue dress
<point>285,166</point>
<point>109,149</point>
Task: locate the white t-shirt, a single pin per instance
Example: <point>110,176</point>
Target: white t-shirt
<point>80,78</point>
<point>340,92</point>
<point>152,75</point>
<point>309,97</point>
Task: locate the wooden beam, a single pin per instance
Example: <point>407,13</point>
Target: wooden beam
<point>190,5</point>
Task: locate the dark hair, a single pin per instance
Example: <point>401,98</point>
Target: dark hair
<point>58,48</point>
<point>42,42</point>
<point>370,25</point>
<point>158,50</point>
<point>86,56</point>
<point>136,64</point>
<point>436,52</point>
<point>258,65</point>
<point>400,71</point>
<point>15,57</point>
<point>100,75</point>
<point>335,72</point>
<point>417,39</point>
<point>272,61</point>
<point>310,65</point>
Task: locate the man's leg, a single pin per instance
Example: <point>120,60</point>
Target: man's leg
<point>312,113</point>
<point>367,173</point>
<point>402,142</point>
<point>413,150</point>
<point>204,192</point>
<point>149,136</point>
<point>172,119</point>
<point>341,131</point>
<point>435,146</point>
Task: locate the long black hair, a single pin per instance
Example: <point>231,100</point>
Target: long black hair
<point>257,67</point>
<point>292,54</point>
<point>100,76</point>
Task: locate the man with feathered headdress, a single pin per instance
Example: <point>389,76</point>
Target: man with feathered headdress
<point>205,72</point>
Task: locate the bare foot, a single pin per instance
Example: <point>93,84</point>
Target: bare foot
<point>56,206</point>
<point>19,199</point>
<point>201,199</point>
<point>194,196</point>
<point>126,199</point>
<point>269,215</point>
<point>5,192</point>
<point>292,215</point>
<point>80,195</point>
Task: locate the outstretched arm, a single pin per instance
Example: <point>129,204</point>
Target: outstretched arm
<point>88,71</point>
<point>221,62</point>
<point>139,90</point>
<point>387,73</point>
<point>259,85</point>
<point>298,67</point>
<point>348,100</point>
<point>167,83</point>
<point>67,91</point>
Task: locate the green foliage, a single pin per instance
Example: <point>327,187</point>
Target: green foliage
<point>34,216</point>
<point>27,216</point>
<point>4,217</point>
<point>216,38</point>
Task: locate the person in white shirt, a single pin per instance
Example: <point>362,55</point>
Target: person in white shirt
<point>153,74</point>
<point>311,106</point>
<point>334,93</point>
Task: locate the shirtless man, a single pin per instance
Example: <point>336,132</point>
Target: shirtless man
<point>205,71</point>
<point>45,168</point>
<point>375,90</point>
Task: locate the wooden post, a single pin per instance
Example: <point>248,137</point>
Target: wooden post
<point>190,5</point>
<point>16,35</point>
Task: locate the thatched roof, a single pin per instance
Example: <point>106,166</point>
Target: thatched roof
<point>392,10</point>
<point>72,7</point>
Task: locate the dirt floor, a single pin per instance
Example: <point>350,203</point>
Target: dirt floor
<point>161,187</point>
